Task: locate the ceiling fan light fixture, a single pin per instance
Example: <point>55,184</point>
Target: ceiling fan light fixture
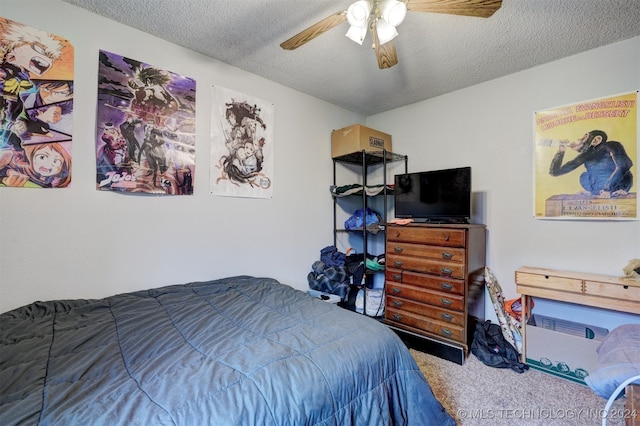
<point>358,13</point>
<point>386,31</point>
<point>393,11</point>
<point>381,18</point>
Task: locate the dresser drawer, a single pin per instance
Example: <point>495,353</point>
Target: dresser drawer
<point>444,315</point>
<point>429,266</point>
<point>613,291</point>
<point>573,285</point>
<point>449,301</point>
<point>452,254</point>
<point>430,236</point>
<point>422,323</point>
<point>443,284</point>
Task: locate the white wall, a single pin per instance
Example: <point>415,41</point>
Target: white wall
<point>490,128</point>
<point>82,243</point>
<point>79,242</point>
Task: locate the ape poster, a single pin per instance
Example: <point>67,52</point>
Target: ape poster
<point>586,157</point>
<point>36,106</point>
<point>145,128</point>
<point>241,145</point>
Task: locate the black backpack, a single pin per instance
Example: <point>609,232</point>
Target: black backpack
<point>490,347</point>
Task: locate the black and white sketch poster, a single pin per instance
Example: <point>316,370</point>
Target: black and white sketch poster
<point>241,145</point>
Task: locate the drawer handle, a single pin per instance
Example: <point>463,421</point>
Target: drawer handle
<point>397,303</point>
<point>445,316</point>
<point>446,302</point>
<point>397,317</point>
<point>446,238</point>
<point>446,271</point>
<point>396,277</point>
<point>446,286</point>
<point>446,332</point>
<point>396,290</point>
<point>397,263</point>
<point>398,249</point>
<point>447,255</point>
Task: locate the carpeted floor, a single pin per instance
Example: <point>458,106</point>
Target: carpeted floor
<point>475,394</point>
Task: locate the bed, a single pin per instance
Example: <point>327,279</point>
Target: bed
<point>234,351</point>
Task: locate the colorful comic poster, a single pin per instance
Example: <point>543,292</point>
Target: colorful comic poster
<point>145,128</point>
<point>586,157</point>
<point>241,145</point>
<point>36,106</point>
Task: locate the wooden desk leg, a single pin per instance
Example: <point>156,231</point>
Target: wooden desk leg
<point>525,309</point>
<point>632,406</point>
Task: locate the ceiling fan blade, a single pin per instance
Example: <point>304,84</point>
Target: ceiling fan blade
<point>314,31</point>
<point>386,53</point>
<point>479,8</point>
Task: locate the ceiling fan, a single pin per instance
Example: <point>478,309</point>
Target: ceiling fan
<point>381,17</point>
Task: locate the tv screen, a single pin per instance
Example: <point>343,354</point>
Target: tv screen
<point>434,196</point>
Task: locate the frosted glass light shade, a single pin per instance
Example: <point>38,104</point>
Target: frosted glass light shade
<point>357,34</point>
<point>386,31</point>
<point>393,11</point>
<point>358,13</point>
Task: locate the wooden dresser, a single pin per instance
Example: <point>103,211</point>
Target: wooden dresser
<point>434,285</point>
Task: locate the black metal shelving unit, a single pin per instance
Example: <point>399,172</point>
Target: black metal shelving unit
<point>365,159</point>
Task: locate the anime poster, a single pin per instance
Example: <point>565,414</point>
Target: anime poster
<point>241,145</point>
<point>586,157</point>
<point>145,128</point>
<point>36,106</point>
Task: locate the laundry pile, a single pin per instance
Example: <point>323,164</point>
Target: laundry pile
<point>341,274</point>
<point>364,218</point>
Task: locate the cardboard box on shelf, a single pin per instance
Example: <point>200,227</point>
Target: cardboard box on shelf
<point>356,138</point>
<point>563,355</point>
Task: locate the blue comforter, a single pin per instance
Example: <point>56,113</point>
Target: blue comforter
<point>235,351</point>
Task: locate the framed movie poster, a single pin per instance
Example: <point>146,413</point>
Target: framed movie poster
<point>36,106</point>
<point>241,145</point>
<point>145,128</point>
<point>586,157</point>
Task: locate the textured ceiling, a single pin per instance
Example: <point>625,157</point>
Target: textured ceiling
<point>437,53</point>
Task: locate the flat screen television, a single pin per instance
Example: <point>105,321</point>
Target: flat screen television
<point>437,196</point>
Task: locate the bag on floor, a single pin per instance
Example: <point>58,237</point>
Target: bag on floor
<point>490,347</point>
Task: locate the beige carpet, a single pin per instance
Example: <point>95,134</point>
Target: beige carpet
<point>475,394</point>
